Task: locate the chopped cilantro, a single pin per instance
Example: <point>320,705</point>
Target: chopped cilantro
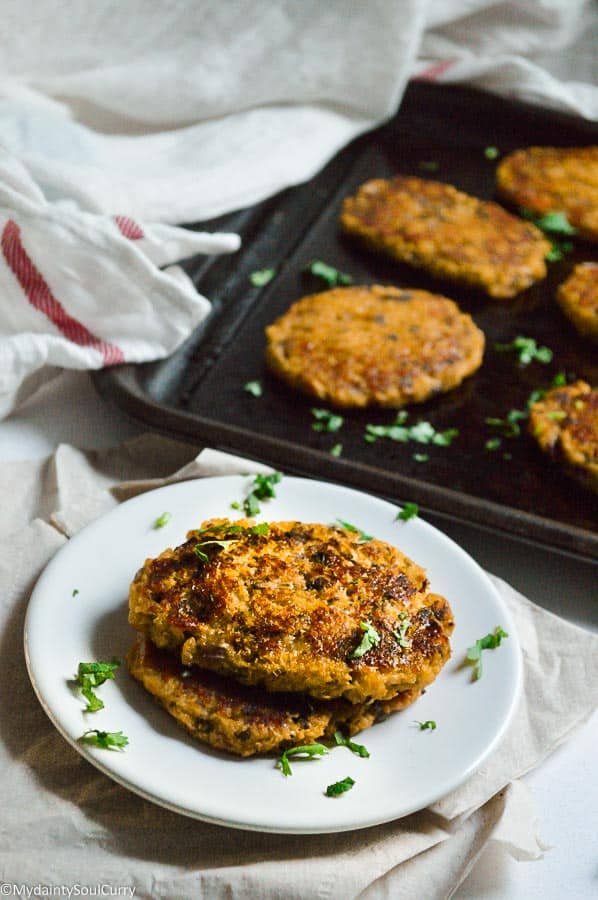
<point>262,277</point>
<point>263,489</point>
<point>340,787</point>
<point>493,443</point>
<point>429,725</point>
<point>224,545</point>
<point>329,274</point>
<point>254,388</point>
<point>421,432</point>
<point>507,456</point>
<point>559,379</point>
<point>336,450</point>
<point>491,152</point>
<point>91,675</point>
<point>409,511</point>
<point>401,632</point>
<point>421,457</point>
<point>429,165</point>
<point>235,505</point>
<point>362,535</point>
<point>342,741</point>
<point>557,414</point>
<point>558,251</point>
<point>163,520</point>
<point>307,751</point>
<point>326,420</point>
<point>107,740</point>
<point>370,639</point>
<point>75,592</point>
<point>527,349</point>
<point>488,642</point>
<point>551,222</point>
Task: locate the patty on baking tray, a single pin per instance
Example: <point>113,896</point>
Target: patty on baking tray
<point>565,425</point>
<point>295,607</point>
<point>578,298</point>
<point>554,179</point>
<point>248,720</point>
<point>433,226</point>
<point>360,346</point>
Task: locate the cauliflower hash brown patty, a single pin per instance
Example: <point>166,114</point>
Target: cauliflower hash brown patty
<point>578,298</point>
<point>554,179</point>
<point>247,720</point>
<point>433,226</point>
<point>291,610</point>
<point>565,425</point>
<point>360,346</point>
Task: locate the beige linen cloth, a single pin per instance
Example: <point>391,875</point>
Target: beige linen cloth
<point>65,823</point>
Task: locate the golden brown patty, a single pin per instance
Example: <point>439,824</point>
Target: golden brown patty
<point>290,609</point>
<point>356,346</point>
<point>578,298</point>
<point>434,226</point>
<point>565,424</point>
<point>554,179</point>
<point>247,720</point>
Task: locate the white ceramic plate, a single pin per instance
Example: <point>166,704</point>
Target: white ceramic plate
<point>408,768</point>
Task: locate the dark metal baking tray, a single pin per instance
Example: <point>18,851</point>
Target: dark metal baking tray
<point>197,394</point>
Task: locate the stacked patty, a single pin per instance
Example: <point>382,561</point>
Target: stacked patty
<point>256,638</point>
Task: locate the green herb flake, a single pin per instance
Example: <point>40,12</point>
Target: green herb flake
<point>75,592</point>
<point>420,457</point>
<point>235,505</point>
<point>558,251</point>
<point>493,443</point>
<point>163,520</point>
<point>370,639</point>
<point>340,787</point>
<point>363,537</point>
<point>401,632</point>
<point>329,274</point>
<point>420,433</point>
<point>203,556</point>
<point>326,420</point>
<point>507,456</point>
<point>429,165</point>
<point>254,388</point>
<point>488,642</point>
<point>336,450</point>
<point>429,725</point>
<point>491,152</point>
<point>556,414</point>
<point>262,489</point>
<point>527,350</point>
<point>262,277</point>
<point>359,749</point>
<point>307,751</point>
<point>559,380</point>
<point>107,740</point>
<point>91,675</point>
<point>551,222</point>
<point>409,511</point>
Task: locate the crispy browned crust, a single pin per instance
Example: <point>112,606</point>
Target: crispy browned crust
<point>435,227</point>
<point>578,298</point>
<point>565,425</point>
<point>361,346</point>
<point>247,720</point>
<point>554,179</point>
<point>285,610</point>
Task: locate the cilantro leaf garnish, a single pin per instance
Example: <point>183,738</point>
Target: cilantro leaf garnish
<point>527,350</point>
<point>336,450</point>
<point>401,632</point>
<point>307,751</point>
<point>340,787</point>
<point>359,749</point>
<point>409,511</point>
<point>491,152</point>
<point>210,533</point>
<point>488,642</point>
<point>370,639</point>
<point>262,277</point>
<point>428,165</point>
<point>91,675</point>
<point>326,420</point>
<point>493,443</point>
<point>203,556</point>
<point>551,222</point>
<point>362,535</point>
<point>254,388</point>
<point>107,740</point>
<point>263,489</point>
<point>421,457</point>
<point>558,251</point>
<point>163,520</point>
<point>329,274</point>
<point>429,725</point>
<point>421,432</point>
<point>75,592</point>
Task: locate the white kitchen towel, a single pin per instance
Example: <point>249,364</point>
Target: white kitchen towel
<point>80,290</point>
<point>90,831</point>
